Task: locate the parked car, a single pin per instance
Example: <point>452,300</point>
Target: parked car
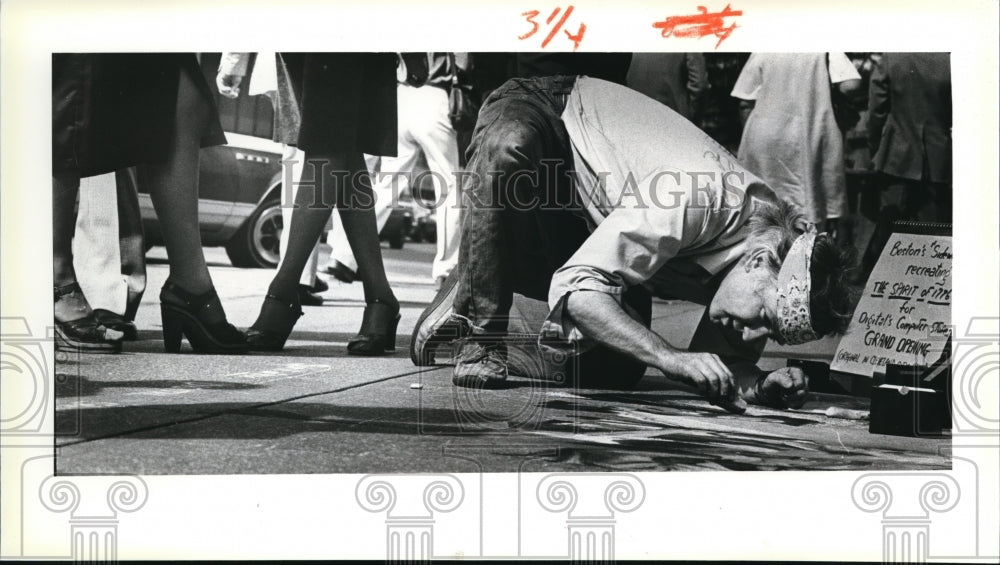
<point>239,201</point>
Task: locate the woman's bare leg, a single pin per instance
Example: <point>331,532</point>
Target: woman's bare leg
<point>358,217</point>
<point>339,175</point>
<point>173,187</point>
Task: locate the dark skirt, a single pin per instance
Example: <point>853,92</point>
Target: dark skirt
<point>346,102</point>
<point>115,110</point>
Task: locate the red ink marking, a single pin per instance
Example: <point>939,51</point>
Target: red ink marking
<point>700,25</point>
<point>553,14</point>
<point>558,25</point>
<point>575,38</point>
<point>528,16</point>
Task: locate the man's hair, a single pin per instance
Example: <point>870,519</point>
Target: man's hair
<point>832,297</point>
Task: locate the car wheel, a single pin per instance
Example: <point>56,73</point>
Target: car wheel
<point>415,235</point>
<point>257,242</point>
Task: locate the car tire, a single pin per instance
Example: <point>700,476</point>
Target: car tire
<point>256,243</point>
<point>415,235</point>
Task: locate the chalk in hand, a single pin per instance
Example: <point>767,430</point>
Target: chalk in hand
<point>735,406</point>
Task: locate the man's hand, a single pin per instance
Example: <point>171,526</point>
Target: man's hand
<point>787,387</point>
<point>707,373</point>
<point>229,85</point>
<point>602,318</point>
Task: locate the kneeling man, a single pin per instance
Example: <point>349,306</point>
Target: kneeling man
<point>594,197</point>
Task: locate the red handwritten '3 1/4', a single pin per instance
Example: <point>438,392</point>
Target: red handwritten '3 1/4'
<point>700,25</point>
<point>532,14</point>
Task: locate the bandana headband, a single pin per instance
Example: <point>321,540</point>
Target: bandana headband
<point>794,286</point>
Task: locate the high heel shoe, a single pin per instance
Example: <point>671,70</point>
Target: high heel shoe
<point>83,335</point>
<point>274,324</point>
<point>200,318</point>
<point>378,331</point>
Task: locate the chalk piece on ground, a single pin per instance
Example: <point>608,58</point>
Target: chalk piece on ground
<point>416,385</point>
<point>847,414</point>
<point>753,410</point>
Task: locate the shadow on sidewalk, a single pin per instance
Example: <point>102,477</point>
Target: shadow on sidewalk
<point>331,344</point>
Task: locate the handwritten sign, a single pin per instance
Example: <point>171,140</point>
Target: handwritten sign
<point>904,315</point>
<point>700,25</point>
<point>554,30</point>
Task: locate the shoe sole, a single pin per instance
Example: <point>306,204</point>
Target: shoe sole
<point>429,334</point>
<point>264,342</point>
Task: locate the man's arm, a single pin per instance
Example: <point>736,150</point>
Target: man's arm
<point>601,318</point>
<point>232,69</point>
<point>731,383</point>
<point>626,249</point>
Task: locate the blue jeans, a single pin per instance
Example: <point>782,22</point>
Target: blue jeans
<point>521,220</point>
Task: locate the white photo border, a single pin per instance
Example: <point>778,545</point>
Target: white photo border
<point>711,515</point>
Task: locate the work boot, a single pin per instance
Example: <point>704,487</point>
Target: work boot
<point>481,365</point>
<point>438,324</point>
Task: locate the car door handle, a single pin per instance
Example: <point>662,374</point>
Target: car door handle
<point>252,158</point>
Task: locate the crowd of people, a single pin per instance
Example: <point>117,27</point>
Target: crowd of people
<point>588,182</point>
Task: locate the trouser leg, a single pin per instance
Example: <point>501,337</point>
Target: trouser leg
<point>65,188</point>
<point>437,139</point>
<point>895,205</point>
<point>934,204</point>
<point>96,258</point>
<point>131,241</point>
<point>519,130</point>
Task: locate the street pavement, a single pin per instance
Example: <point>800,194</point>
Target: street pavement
<point>313,409</point>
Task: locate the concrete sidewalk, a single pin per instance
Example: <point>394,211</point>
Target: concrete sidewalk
<point>313,409</point>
